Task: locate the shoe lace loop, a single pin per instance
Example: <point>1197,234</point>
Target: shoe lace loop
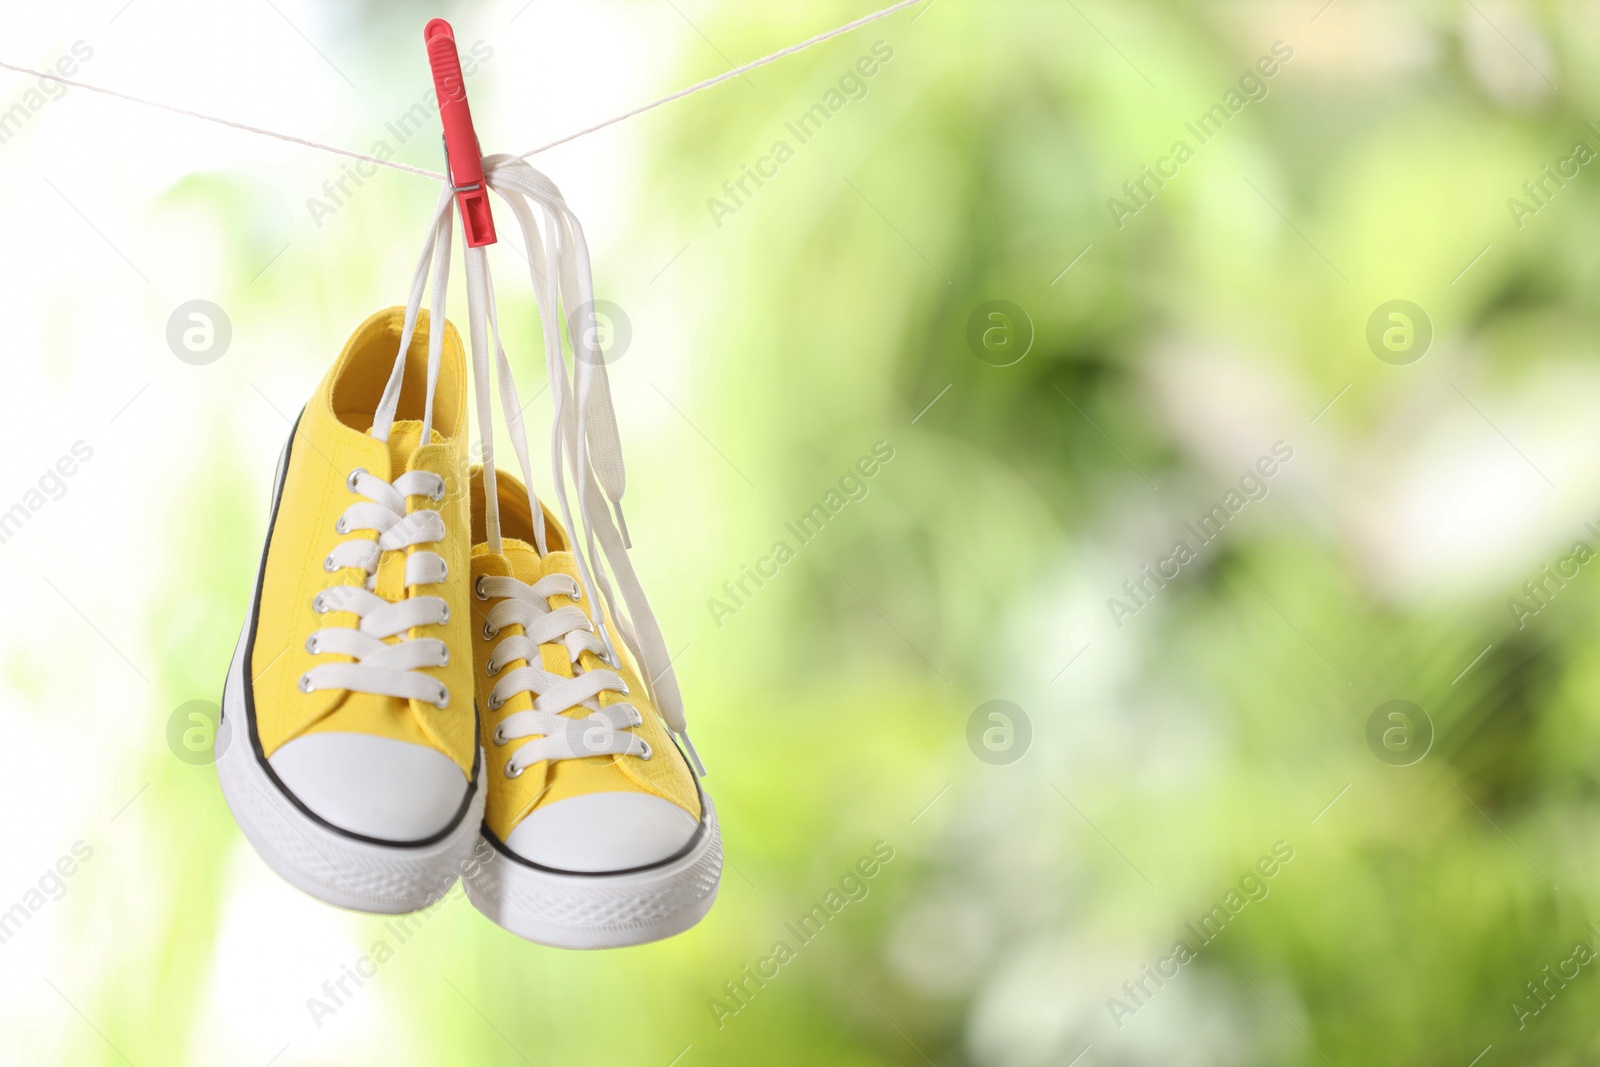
<point>605,730</point>
<point>586,449</point>
<point>384,661</point>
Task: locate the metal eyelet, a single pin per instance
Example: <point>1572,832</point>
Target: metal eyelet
<point>350,482</point>
<point>339,526</point>
<point>648,751</point>
<point>444,655</point>
<point>446,617</point>
<point>305,683</point>
<point>327,564</point>
<point>444,699</point>
<point>488,633</point>
<point>499,735</point>
<point>495,704</point>
<point>439,494</point>
<point>577,592</point>
<point>318,606</point>
<point>489,669</point>
<point>444,571</point>
<point>513,771</point>
<point>477,588</point>
<point>624,690</point>
<point>311,644</point>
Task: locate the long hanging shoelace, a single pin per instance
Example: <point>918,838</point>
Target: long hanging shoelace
<point>377,665</point>
<point>585,450</point>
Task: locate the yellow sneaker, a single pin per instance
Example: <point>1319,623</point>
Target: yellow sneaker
<point>599,832</point>
<point>596,834</point>
<point>350,756</point>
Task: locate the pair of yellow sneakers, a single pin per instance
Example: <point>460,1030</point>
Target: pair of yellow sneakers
<point>419,695</point>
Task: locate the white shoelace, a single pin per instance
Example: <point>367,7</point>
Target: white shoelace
<point>605,730</point>
<point>379,666</point>
<point>586,448</point>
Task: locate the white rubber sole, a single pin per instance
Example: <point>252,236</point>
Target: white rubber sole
<point>335,867</point>
<point>599,910</point>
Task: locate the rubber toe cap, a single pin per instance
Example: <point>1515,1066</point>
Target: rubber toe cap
<point>377,787</point>
<point>600,833</point>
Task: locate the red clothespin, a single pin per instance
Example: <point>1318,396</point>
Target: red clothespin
<point>462,155</point>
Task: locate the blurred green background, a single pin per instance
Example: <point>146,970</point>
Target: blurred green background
<point>959,268</point>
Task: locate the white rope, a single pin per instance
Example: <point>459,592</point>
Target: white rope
<point>224,122</point>
<point>393,165</point>
<point>720,78</point>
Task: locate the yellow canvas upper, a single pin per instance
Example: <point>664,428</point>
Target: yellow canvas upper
<point>510,800</point>
<point>330,441</point>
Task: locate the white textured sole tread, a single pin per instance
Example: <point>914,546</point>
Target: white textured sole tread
<point>599,910</point>
<point>333,867</point>
<point>341,870</point>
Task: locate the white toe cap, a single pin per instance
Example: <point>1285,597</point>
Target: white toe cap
<point>602,832</point>
<point>377,787</point>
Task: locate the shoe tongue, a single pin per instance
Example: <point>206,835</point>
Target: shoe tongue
<point>405,436</point>
<point>525,563</point>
